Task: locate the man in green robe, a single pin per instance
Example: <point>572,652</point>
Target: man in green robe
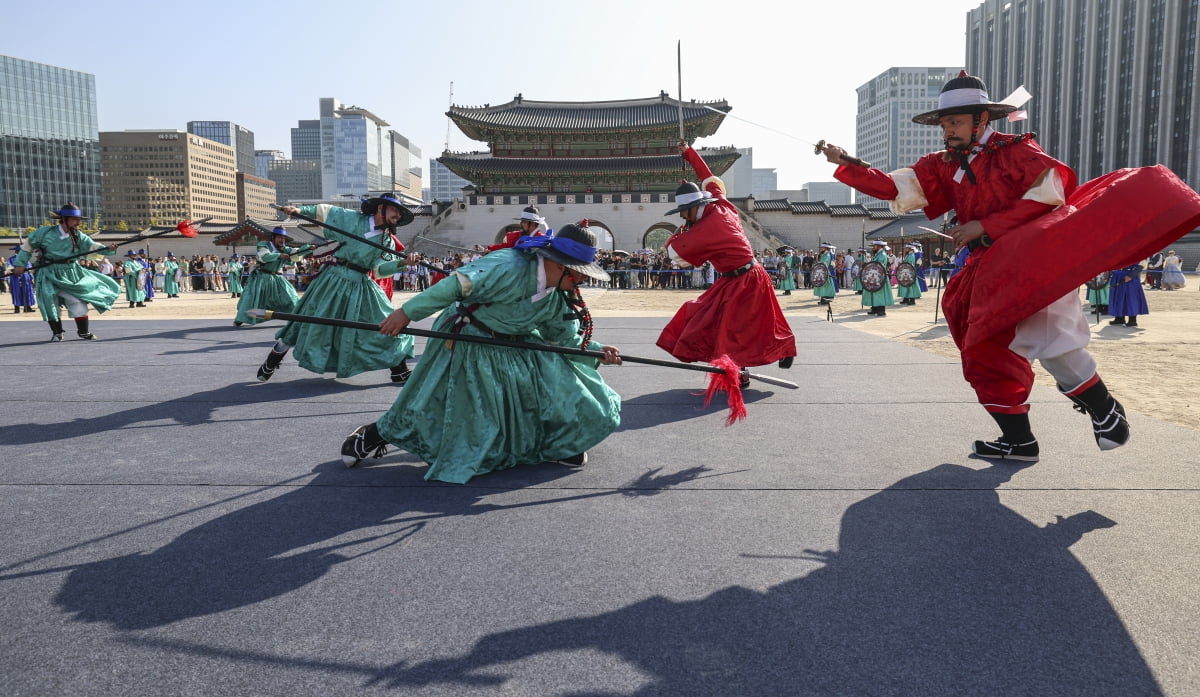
<point>171,276</point>
<point>879,300</point>
<point>826,290</point>
<point>235,276</point>
<point>267,289</point>
<point>66,283</point>
<point>911,293</point>
<point>134,280</point>
<point>471,408</point>
<point>345,290</point>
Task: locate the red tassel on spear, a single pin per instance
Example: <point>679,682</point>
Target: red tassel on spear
<point>724,374</point>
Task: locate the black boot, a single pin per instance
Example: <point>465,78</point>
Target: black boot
<point>1119,321</point>
<point>400,373</point>
<point>1132,322</point>
<point>1016,441</point>
<point>267,369</point>
<point>1109,425</point>
<point>28,308</point>
<point>363,442</point>
<point>81,328</point>
<point>786,363</point>
<point>56,330</point>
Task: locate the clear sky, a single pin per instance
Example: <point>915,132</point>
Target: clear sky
<point>789,69</point>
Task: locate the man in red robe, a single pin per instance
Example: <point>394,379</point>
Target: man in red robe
<point>1014,202</point>
<point>739,315</point>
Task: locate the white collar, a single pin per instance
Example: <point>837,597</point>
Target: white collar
<point>544,290</point>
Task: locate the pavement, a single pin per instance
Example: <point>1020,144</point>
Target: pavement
<point>172,527</point>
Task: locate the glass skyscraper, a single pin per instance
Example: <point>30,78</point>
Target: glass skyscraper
<point>49,142</point>
<point>240,138</point>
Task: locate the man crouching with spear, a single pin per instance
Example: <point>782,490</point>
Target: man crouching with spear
<point>470,408</point>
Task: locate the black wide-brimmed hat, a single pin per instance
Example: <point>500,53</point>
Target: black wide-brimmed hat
<point>965,94</point>
<point>688,195</point>
<point>573,246</point>
<point>370,205</point>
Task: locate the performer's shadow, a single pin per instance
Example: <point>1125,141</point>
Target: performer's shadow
<point>187,410</point>
<point>673,406</point>
<point>926,595</point>
<point>272,547</point>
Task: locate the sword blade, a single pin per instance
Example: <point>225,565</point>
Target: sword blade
<point>774,381</point>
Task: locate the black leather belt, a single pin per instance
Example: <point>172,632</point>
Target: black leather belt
<point>464,315</point>
<point>352,267</point>
<point>738,271</point>
<point>264,271</point>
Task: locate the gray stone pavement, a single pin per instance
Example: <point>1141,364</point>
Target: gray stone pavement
<point>172,527</point>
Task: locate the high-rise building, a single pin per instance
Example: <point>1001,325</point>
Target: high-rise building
<point>295,180</point>
<point>764,179</point>
<point>159,177</point>
<point>49,142</point>
<point>1114,82</point>
<point>262,158</point>
<point>306,140</point>
<point>356,151</point>
<point>832,193</point>
<point>407,173</point>
<point>739,178</point>
<point>885,135</point>
<point>228,133</point>
<point>255,196</point>
<point>445,185</point>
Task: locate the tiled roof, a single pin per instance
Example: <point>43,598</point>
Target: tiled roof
<point>884,213</point>
<point>257,227</point>
<point>803,207</point>
<point>621,115</point>
<point>718,161</point>
<point>772,204</point>
<point>848,209</point>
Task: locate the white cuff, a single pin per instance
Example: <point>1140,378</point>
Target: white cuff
<point>911,196</point>
<point>1048,189</point>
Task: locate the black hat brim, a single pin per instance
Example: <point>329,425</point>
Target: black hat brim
<point>589,269</point>
<point>995,112</point>
<point>406,216</point>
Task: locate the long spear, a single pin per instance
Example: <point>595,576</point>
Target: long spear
<point>351,235</point>
<point>186,228</point>
<point>725,376</point>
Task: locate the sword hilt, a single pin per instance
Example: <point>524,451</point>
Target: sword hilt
<point>819,149</point>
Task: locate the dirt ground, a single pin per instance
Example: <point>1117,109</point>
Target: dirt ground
<point>1150,368</point>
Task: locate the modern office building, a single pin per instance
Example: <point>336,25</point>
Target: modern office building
<point>408,175</point>
<point>262,158</point>
<point>159,177</point>
<point>254,197</point>
<point>1114,82</point>
<point>295,180</point>
<point>306,140</point>
<point>739,178</point>
<point>229,133</point>
<point>49,142</point>
<point>445,185</point>
<point>833,193</point>
<point>885,135</point>
<point>764,180</point>
<point>356,151</point>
